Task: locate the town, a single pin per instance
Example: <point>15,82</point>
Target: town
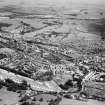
<point>48,58</point>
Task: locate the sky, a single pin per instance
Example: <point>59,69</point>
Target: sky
<point>60,1</point>
<point>57,2</point>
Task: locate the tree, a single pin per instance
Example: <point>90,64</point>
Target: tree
<point>25,103</point>
<point>9,81</point>
<point>101,13</point>
<point>1,100</point>
<point>41,99</point>
<point>85,12</point>
<point>3,56</point>
<point>1,86</point>
<point>25,98</point>
<point>34,99</point>
<point>24,85</point>
<point>56,101</point>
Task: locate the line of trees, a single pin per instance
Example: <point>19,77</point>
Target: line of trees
<point>14,71</point>
<point>13,86</point>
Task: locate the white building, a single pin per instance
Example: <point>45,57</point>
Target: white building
<point>58,69</point>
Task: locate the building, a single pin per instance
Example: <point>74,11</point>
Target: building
<point>58,69</point>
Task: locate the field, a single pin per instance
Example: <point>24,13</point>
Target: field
<point>8,97</point>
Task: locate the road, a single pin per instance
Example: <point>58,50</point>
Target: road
<point>76,102</point>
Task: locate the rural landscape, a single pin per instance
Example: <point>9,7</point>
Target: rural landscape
<point>52,53</point>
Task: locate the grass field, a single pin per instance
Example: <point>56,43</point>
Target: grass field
<point>8,97</point>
